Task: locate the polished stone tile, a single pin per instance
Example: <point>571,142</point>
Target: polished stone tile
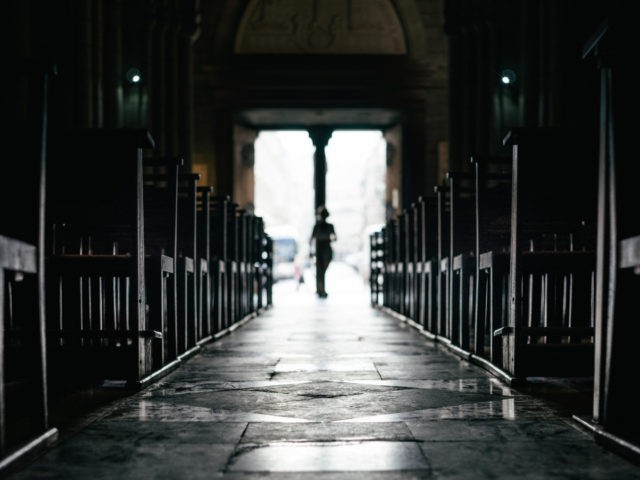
<point>332,390</point>
<point>363,475</point>
<point>101,455</point>
<point>478,385</point>
<point>497,430</point>
<point>320,364</point>
<point>179,387</point>
<point>147,410</point>
<point>168,432</point>
<point>445,371</point>
<point>330,457</point>
<point>512,459</point>
<point>507,409</point>
<point>261,433</point>
<point>327,376</point>
<point>316,337</point>
<point>229,375</point>
<point>321,401</point>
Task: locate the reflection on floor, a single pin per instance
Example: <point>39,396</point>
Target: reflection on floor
<point>329,388</point>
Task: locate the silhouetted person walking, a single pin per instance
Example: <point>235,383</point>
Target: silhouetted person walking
<point>324,234</point>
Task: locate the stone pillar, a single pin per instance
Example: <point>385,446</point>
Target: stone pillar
<point>393,137</point>
<point>222,145</point>
<point>113,64</point>
<point>98,61</point>
<point>157,107</point>
<point>189,33</point>
<point>85,93</point>
<point>457,79</point>
<point>530,77</point>
<point>416,159</point>
<point>171,78</point>
<point>243,166</point>
<point>149,67</point>
<point>320,137</point>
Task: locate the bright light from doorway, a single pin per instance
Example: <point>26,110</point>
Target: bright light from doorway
<point>356,169</point>
<point>284,182</point>
<point>284,191</point>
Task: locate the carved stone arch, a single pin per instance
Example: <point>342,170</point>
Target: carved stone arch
<point>390,27</point>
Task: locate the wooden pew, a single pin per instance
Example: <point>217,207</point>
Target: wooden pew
<point>427,239</point>
<point>462,258</point>
<point>205,285</point>
<point>384,243</point>
<point>386,252</point>
<point>24,407</point>
<point>532,232</point>
<point>386,279</point>
<point>161,249</point>
<point>615,413</point>
<point>253,254</point>
<point>409,263</point>
<point>98,326</point>
<point>259,264</point>
<point>550,329</point>
<point>234,261</point>
<point>493,237</point>
<point>239,263</point>
<point>400,261</point>
<point>257,238</point>
<point>218,262</point>
<point>246,225</point>
<point>442,275</point>
<point>241,260</point>
<point>266,268</point>
<point>187,264</point>
<point>393,267</point>
<point>376,268</point>
<point>417,302</point>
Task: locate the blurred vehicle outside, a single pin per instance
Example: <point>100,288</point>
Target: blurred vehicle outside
<point>286,252</point>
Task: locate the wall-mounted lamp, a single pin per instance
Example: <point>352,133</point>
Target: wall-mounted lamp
<point>134,75</point>
<point>508,77</point>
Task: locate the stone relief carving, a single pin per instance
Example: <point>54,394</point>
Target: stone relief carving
<point>320,26</point>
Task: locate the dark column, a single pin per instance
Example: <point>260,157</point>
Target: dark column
<point>157,104</point>
<point>98,56</point>
<point>320,137</point>
<point>415,157</point>
<point>172,40</point>
<point>85,94</point>
<point>188,35</point>
<point>222,128</point>
<point>113,65</point>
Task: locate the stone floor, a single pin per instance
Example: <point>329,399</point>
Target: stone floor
<point>329,389</point>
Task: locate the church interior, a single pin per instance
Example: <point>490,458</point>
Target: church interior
<point>139,336</point>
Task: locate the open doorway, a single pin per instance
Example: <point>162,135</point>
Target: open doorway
<point>284,196</point>
<point>355,192</point>
<point>356,169</point>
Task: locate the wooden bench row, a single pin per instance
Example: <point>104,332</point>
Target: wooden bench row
<point>500,262</point>
<point>114,265</point>
<point>24,413</point>
<point>615,416</point>
<point>143,267</point>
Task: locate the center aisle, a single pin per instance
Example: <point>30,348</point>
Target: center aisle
<point>329,389</point>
